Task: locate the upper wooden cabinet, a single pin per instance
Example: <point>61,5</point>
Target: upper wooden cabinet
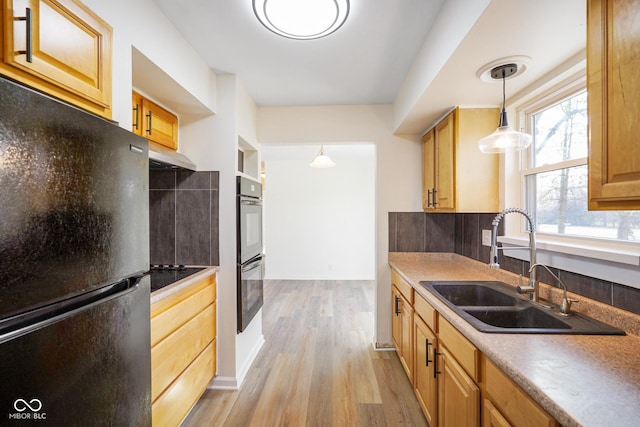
<point>58,47</point>
<point>456,176</point>
<point>154,122</point>
<point>613,59</point>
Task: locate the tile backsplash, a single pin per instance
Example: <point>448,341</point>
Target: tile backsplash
<point>461,233</point>
<point>183,217</point>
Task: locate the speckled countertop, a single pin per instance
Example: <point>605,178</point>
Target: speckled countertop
<point>581,380</point>
<point>181,284</point>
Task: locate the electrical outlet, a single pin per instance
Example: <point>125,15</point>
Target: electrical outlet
<point>486,237</point>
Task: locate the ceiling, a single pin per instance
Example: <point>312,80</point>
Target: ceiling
<point>369,59</point>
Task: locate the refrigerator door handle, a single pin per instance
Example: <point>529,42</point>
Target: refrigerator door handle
<point>29,321</point>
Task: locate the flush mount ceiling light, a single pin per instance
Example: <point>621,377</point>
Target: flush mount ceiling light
<point>302,19</point>
<point>322,160</point>
<point>504,139</point>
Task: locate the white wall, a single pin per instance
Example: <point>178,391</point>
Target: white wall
<point>141,24</point>
<point>398,170</point>
<point>320,223</point>
<point>215,147</point>
<point>210,141</point>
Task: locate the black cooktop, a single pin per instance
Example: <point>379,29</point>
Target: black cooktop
<point>166,274</point>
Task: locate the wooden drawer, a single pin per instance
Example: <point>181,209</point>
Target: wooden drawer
<point>465,353</point>
<point>513,403</point>
<point>426,312</point>
<point>170,313</point>
<point>403,286</point>
<point>174,404</point>
<point>173,354</point>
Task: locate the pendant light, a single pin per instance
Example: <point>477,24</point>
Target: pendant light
<point>504,139</point>
<point>302,20</point>
<point>322,160</point>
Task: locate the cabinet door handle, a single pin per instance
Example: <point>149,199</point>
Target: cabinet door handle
<point>150,116</point>
<point>435,362</point>
<point>434,197</point>
<point>426,350</point>
<point>397,307</point>
<point>136,124</point>
<point>428,198</point>
<point>29,48</point>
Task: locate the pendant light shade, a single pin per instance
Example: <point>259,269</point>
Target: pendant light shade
<point>322,160</point>
<point>302,20</point>
<point>504,139</point>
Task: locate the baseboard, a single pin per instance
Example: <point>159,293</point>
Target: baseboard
<point>378,346</point>
<point>234,383</point>
<point>223,383</point>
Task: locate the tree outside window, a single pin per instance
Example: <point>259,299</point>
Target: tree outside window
<point>556,181</point>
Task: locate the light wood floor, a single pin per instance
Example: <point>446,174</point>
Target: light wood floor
<point>317,367</point>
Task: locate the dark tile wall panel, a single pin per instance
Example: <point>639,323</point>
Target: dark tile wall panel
<point>188,180</point>
<point>215,224</point>
<point>626,298</point>
<point>595,289</point>
<point>392,232</point>
<point>459,238</point>
<point>410,232</point>
<point>440,231</point>
<point>193,227</point>
<point>470,236</point>
<point>162,230</point>
<point>162,180</point>
<point>184,217</point>
<point>462,234</point>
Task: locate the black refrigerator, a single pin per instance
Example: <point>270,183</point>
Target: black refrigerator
<point>74,247</point>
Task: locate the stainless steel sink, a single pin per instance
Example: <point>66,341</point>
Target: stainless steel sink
<point>495,307</point>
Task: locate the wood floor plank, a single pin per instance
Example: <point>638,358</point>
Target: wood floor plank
<point>317,366</point>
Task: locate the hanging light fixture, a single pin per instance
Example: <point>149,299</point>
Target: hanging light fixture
<point>322,160</point>
<point>302,20</point>
<point>504,139</point>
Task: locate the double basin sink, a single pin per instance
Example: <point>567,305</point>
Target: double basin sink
<point>496,307</point>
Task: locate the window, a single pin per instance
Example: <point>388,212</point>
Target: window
<point>555,178</point>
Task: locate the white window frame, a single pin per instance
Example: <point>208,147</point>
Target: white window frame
<point>615,261</point>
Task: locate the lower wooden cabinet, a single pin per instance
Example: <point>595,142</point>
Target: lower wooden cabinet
<point>402,325</point>
<point>458,395</point>
<point>425,382</point>
<point>183,350</point>
<point>455,384</point>
<point>508,404</point>
<point>491,417</point>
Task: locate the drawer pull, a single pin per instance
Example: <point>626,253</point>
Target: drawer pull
<point>136,124</point>
<point>435,363</point>
<point>150,116</point>
<point>29,33</point>
<point>397,306</point>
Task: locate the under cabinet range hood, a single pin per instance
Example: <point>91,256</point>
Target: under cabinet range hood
<point>164,158</point>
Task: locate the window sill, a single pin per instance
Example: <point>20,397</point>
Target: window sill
<point>613,262</point>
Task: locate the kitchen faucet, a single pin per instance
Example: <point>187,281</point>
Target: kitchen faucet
<point>532,289</point>
<point>565,308</point>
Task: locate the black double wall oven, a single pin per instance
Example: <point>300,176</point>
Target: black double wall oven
<point>250,273</point>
